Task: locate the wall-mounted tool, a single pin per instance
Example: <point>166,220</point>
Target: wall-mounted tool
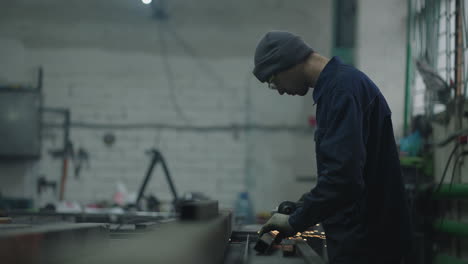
<point>80,159</point>
<point>43,183</point>
<point>109,139</point>
<point>67,148</point>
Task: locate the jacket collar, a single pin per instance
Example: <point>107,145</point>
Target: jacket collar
<point>327,72</point>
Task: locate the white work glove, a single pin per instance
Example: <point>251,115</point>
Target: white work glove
<point>279,222</point>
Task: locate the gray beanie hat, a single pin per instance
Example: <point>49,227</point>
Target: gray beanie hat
<point>278,51</point>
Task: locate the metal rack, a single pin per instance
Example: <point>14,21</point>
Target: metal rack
<point>437,34</point>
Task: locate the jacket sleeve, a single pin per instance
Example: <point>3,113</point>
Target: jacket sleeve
<point>341,157</point>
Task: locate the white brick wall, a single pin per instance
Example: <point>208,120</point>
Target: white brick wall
<point>198,161</point>
<point>103,62</point>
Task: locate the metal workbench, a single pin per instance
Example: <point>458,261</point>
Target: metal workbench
<point>168,241</point>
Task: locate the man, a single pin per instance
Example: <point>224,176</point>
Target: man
<point>359,196</point>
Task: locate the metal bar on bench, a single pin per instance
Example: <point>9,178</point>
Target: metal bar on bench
<point>309,255</point>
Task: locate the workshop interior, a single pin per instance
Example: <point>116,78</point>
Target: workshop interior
<point>133,131</point>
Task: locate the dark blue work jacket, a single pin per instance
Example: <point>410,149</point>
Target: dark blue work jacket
<point>359,196</point>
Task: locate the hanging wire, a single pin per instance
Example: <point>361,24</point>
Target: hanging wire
<point>209,70</point>
<point>170,74</point>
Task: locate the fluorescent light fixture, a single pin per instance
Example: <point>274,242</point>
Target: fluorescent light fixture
<point>146,2</point>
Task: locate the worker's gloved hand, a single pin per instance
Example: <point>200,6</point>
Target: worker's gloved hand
<point>279,222</point>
